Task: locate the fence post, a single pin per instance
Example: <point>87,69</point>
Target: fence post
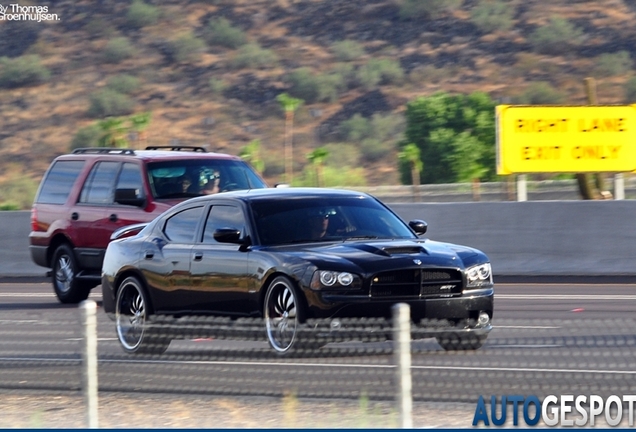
<point>402,358</point>
<point>89,361</point>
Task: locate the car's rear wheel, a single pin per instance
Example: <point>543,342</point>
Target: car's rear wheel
<point>132,312</point>
<point>68,288</point>
<point>461,342</point>
<point>283,315</point>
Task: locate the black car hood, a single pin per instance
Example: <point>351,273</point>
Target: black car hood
<point>380,255</point>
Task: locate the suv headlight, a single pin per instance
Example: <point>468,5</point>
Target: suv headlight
<point>327,279</point>
<point>479,276</point>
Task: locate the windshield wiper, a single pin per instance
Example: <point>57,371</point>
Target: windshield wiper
<point>362,237</point>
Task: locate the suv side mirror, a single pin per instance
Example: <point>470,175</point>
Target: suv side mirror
<point>419,226</point>
<point>129,197</point>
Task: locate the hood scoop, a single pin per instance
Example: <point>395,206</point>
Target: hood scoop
<point>404,250</point>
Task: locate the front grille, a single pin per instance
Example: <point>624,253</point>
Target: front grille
<point>416,283</point>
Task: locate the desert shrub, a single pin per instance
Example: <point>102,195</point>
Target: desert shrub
<point>387,127</point>
<point>342,155</point>
<point>380,71</point>
<point>355,129</point>
<point>220,32</point>
<point>22,71</point>
<point>87,136</point>
<point>313,88</point>
<point>427,73</point>
<point>99,27</point>
<point>186,49</point>
<point>612,64</point>
<point>141,14</point>
<point>540,93</point>
<point>347,50</point>
<point>123,83</point>
<point>555,37</point>
<point>374,149</point>
<point>332,177</point>
<point>107,103</point>
<point>217,85</point>
<point>17,192</point>
<point>492,15</point>
<point>346,74</point>
<point>630,90</point>
<point>415,9</point>
<point>117,50</point>
<point>252,56</point>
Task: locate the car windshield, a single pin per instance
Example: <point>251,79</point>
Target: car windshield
<point>190,178</point>
<point>298,220</point>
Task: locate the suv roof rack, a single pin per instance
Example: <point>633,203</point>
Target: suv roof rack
<point>178,148</point>
<point>104,150</point>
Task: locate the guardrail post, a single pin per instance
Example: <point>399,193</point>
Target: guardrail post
<point>522,191</point>
<point>619,186</point>
<point>89,361</point>
<point>402,358</point>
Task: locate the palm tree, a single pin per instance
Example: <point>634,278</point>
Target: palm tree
<point>251,153</point>
<point>410,155</point>
<point>290,105</point>
<point>317,158</point>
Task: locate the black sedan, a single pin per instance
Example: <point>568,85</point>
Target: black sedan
<point>293,260</point>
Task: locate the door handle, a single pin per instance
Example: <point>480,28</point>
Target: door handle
<point>112,218</point>
<point>75,215</point>
<point>198,256</point>
<point>149,255</point>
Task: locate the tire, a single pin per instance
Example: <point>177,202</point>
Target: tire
<point>132,313</point>
<point>67,287</point>
<point>461,342</point>
<point>283,315</point>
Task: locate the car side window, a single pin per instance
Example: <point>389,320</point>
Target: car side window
<point>130,178</point>
<point>98,188</point>
<point>181,227</point>
<point>222,216</point>
<point>59,181</point>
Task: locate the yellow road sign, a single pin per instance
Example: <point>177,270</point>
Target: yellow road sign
<point>577,139</point>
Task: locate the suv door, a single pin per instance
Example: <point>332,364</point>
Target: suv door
<point>88,218</point>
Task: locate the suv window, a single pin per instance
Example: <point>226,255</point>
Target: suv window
<point>130,178</point>
<point>99,185</point>
<point>188,178</point>
<point>59,181</point>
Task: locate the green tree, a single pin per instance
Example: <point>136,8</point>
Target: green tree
<point>113,132</point>
<point>411,157</point>
<point>252,154</point>
<point>455,135</point>
<point>317,158</point>
<point>289,105</point>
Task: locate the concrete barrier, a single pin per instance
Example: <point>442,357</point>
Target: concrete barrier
<point>533,238</point>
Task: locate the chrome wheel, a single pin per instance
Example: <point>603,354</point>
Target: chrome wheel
<point>66,285</point>
<point>131,317</point>
<point>281,315</point>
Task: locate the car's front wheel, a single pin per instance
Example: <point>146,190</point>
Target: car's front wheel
<point>283,314</point>
<point>461,342</point>
<point>68,288</point>
<point>132,312</point>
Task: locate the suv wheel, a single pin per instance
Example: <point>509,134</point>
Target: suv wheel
<point>65,283</point>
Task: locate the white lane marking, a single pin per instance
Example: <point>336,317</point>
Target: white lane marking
<point>564,297</point>
<point>495,326</point>
<point>333,365</point>
<point>18,321</point>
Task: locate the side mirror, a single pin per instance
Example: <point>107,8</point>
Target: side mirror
<point>228,235</point>
<point>419,226</point>
<point>129,197</point>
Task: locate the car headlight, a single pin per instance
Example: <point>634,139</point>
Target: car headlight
<point>479,275</point>
<point>327,279</point>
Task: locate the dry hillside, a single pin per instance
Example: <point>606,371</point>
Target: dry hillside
<point>210,99</point>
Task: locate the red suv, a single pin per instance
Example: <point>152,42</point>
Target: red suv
<point>85,196</point>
